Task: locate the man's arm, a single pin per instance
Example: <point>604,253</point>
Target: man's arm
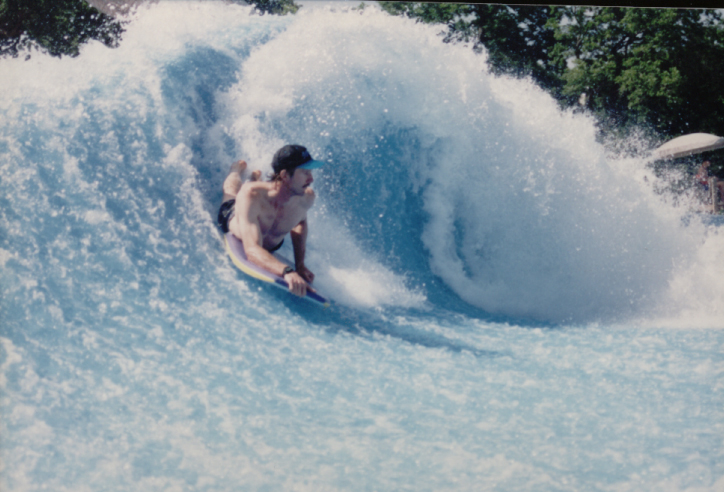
<point>247,211</point>
<point>299,241</point>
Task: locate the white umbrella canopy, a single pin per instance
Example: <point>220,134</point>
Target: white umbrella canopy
<point>694,143</point>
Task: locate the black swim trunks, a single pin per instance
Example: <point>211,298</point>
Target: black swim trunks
<point>276,247</point>
<point>226,212</point>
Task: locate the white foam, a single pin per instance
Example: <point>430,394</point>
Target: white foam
<point>528,215</point>
<point>141,359</point>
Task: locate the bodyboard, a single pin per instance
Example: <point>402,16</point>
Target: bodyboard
<point>235,249</point>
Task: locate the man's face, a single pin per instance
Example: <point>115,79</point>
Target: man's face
<point>300,181</point>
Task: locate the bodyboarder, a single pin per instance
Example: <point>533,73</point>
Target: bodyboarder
<point>261,213</point>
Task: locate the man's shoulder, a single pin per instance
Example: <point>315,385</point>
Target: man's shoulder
<point>307,198</point>
<point>255,189</point>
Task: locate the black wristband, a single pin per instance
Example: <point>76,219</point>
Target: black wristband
<point>287,270</point>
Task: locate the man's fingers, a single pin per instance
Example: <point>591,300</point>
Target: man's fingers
<point>298,287</point>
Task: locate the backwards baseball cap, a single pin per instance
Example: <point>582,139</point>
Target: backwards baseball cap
<point>291,157</point>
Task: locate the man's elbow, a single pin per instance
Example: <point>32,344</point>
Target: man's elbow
<point>299,228</point>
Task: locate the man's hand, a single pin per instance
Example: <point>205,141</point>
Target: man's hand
<point>297,284</point>
<point>305,273</point>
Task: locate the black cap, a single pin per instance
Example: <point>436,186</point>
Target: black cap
<point>291,157</point>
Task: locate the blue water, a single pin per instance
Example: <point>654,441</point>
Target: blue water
<point>515,309</point>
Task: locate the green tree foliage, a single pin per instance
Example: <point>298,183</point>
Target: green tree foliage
<point>655,67</point>
<point>58,27</point>
<point>276,7</point>
<point>659,69</point>
<point>518,41</point>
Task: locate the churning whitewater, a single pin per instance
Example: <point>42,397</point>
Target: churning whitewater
<point>514,307</point>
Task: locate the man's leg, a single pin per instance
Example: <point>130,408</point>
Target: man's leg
<point>233,182</point>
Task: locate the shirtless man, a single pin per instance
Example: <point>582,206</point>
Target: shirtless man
<point>260,213</point>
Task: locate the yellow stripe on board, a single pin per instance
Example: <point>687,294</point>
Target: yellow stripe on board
<point>260,276</point>
<point>245,268</point>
